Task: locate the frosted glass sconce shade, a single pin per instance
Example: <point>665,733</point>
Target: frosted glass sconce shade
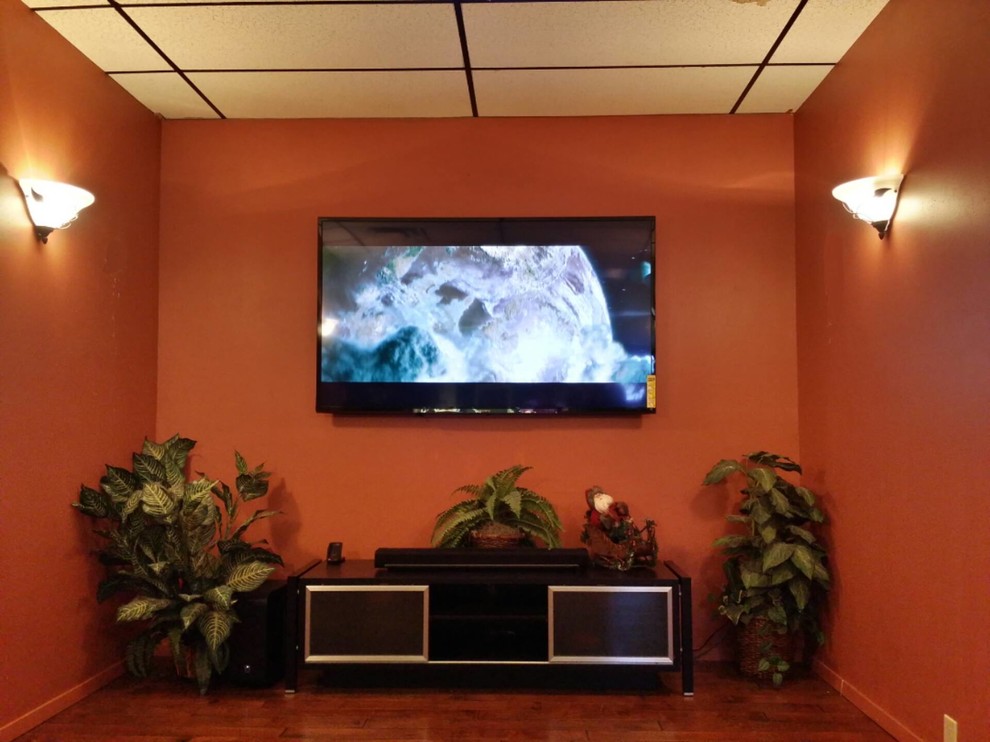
<point>871,199</point>
<point>53,205</point>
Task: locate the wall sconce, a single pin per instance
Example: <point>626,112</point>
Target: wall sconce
<point>53,205</point>
<point>871,199</point>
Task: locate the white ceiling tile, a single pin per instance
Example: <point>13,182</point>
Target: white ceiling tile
<point>609,92</point>
<point>63,3</point>
<point>783,89</point>
<point>826,29</point>
<point>251,37</point>
<point>336,94</point>
<point>637,32</point>
<point>229,2</point>
<point>106,38</point>
<point>167,94</point>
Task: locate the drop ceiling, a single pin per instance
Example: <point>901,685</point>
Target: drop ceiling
<point>459,58</point>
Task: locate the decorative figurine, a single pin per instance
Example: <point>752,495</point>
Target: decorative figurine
<point>612,537</point>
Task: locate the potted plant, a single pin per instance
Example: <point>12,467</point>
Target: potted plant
<point>776,572</point>
<point>175,549</point>
<point>498,513</point>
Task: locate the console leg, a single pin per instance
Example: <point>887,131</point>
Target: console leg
<point>687,639</point>
<point>291,647</point>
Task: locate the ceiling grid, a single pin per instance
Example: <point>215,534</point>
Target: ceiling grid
<point>461,58</point>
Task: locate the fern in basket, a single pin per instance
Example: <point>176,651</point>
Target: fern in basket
<point>177,558</point>
<point>500,504</point>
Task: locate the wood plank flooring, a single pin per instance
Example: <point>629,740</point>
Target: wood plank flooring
<point>726,708</point>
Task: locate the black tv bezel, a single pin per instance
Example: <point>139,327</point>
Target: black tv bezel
<point>476,398</point>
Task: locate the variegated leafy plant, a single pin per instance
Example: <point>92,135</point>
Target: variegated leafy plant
<point>776,567</point>
<point>499,500</point>
<point>175,548</point>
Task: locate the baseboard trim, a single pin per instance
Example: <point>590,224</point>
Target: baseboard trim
<point>863,703</point>
<point>49,708</point>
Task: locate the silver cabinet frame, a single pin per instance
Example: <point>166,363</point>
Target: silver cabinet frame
<point>311,590</point>
<point>666,660</point>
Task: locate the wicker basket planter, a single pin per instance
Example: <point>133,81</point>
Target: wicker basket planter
<point>496,536</point>
<point>752,638</point>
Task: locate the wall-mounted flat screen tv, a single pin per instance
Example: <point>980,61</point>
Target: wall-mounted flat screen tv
<point>486,316</point>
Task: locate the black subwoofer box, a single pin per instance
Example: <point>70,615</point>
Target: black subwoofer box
<point>257,643</point>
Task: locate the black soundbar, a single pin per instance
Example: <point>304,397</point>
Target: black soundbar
<point>514,558</point>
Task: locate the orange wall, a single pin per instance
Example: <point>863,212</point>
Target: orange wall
<point>78,342</point>
<point>892,364</point>
<point>894,372</point>
<point>240,201</point>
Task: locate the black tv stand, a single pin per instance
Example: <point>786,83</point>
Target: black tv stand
<point>531,625</point>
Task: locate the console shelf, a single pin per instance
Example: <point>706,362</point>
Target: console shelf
<point>563,621</point>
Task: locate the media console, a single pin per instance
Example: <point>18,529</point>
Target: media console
<point>543,622</point>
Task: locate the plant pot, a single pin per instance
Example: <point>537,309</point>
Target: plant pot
<point>753,637</point>
<point>496,536</point>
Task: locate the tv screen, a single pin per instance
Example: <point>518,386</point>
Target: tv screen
<point>496,316</point>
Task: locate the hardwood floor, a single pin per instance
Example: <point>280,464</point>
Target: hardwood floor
<point>726,708</point>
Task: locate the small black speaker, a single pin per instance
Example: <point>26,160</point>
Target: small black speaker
<point>257,643</point>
